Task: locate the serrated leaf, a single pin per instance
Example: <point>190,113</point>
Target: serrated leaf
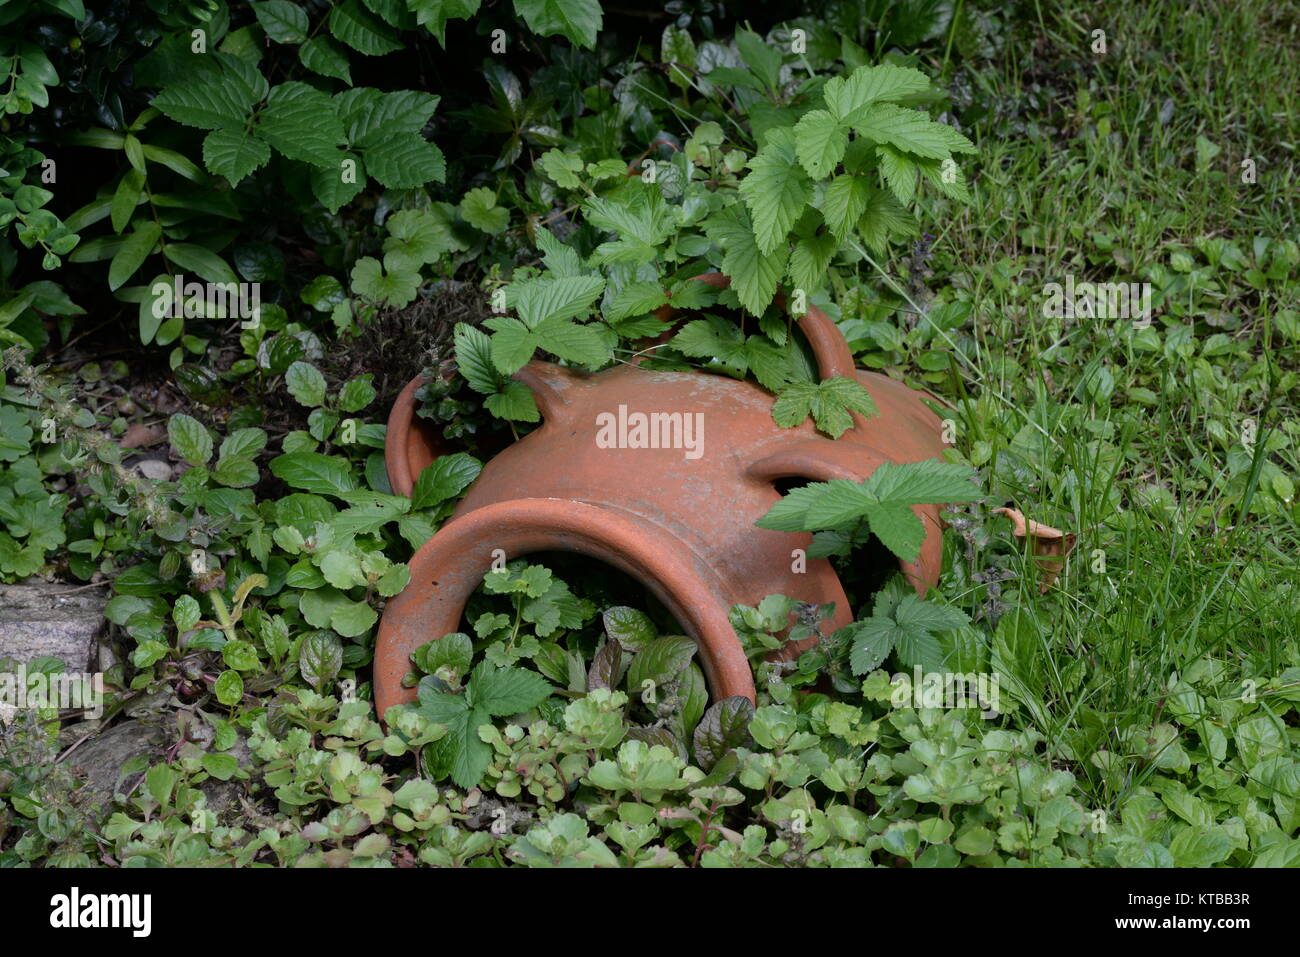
<point>506,691</point>
<point>660,660</point>
<point>189,438</point>
<point>234,153</point>
<point>713,338</point>
<point>323,55</point>
<point>724,727</point>
<point>314,472</point>
<point>899,172</point>
<point>586,345</point>
<point>570,297</point>
<point>434,14</point>
<point>846,97</point>
<point>215,97</point>
<point>407,161</point>
<point>754,275</point>
<point>320,656</point>
<point>635,299</point>
<point>776,190</point>
<point>909,130</point>
<point>479,208</point>
<point>820,141</point>
<point>843,202</point>
<point>356,26</point>
<point>284,22</point>
<point>579,20</point>
<point>474,358</point>
<point>809,260</point>
<point>514,402</point>
<point>447,477</point>
<point>305,383</point>
<point>301,123</point>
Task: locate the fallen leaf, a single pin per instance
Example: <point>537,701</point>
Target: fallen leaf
<point>1050,546</point>
<point>138,436</point>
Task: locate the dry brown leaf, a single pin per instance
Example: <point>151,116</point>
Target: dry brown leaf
<point>1050,546</point>
<point>138,436</point>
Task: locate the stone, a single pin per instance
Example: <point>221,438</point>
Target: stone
<point>102,757</point>
<point>57,620</point>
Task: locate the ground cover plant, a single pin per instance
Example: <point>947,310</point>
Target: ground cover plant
<point>230,233</point>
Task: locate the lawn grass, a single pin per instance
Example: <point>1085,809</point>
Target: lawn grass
<point>1127,168</point>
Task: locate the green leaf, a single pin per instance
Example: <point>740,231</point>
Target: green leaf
<point>724,727</point>
<point>643,225</point>
<point>754,275</point>
<point>479,208</point>
<point>417,235</point>
<point>899,172</point>
<point>395,283</point>
<point>135,249</point>
<point>883,500</point>
<point>223,767</point>
<point>514,402</point>
<point>201,261</point>
<point>301,123</point>
<point>474,358</point>
<point>843,202</point>
<point>314,472</point>
<point>883,218</point>
<point>320,657</point>
<point>829,402</point>
<point>234,153</point>
<point>662,659</point>
<point>373,119</point>
<point>305,383</point>
<point>848,97</point>
<point>215,97</point>
<point>159,781</point>
<point>229,688</point>
<point>776,190</point>
<point>506,691</point>
<point>820,141</point>
<point>635,299</point>
<point>434,14</point>
<point>910,130</point>
<point>579,20</point>
<point>129,193</point>
<point>189,438</point>
<point>354,25</point>
<point>546,298</point>
<point>283,22</point>
<point>407,162</point>
<point>562,168</point>
<point>447,477</point>
<point>1201,846</point>
<point>808,262</point>
<point>760,57</point>
<point>586,345</point>
<point>324,56</point>
<point>357,393</point>
<point>713,338</point>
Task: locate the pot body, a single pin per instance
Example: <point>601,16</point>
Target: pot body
<point>662,475</point>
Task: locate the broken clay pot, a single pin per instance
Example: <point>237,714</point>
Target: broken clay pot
<point>680,520</point>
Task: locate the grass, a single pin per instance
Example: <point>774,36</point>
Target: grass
<point>1128,164</point>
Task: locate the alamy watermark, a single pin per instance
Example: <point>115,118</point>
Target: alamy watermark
<point>1098,300</point>
<point>179,299</point>
<point>945,689</point>
<point>64,690</point>
<point>651,430</point>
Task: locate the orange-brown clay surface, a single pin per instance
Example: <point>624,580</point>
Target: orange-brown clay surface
<point>678,519</point>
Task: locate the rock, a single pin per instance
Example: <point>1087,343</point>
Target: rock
<point>102,757</point>
<point>58,620</point>
<point>154,469</point>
